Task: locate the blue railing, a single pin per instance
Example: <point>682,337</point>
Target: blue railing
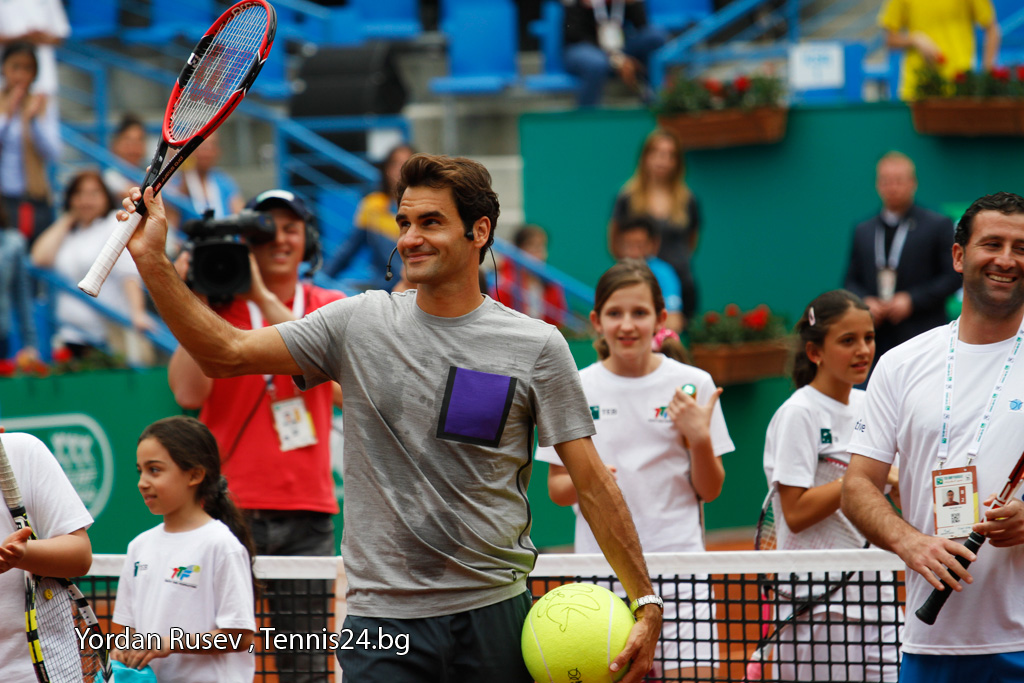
<point>161,337</point>
<point>680,50</point>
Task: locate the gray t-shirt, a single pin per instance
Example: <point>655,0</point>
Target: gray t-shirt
<point>439,417</point>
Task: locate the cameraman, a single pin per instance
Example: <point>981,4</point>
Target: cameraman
<point>278,469</point>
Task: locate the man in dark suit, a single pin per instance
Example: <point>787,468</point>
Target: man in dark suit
<point>900,260</point>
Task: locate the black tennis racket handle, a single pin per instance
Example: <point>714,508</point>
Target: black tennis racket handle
<point>929,611</point>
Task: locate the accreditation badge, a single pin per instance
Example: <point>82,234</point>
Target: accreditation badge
<point>294,424</point>
<point>886,283</point>
<point>955,501</point>
<point>610,36</point>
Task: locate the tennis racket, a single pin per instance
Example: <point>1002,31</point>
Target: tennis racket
<point>217,75</point>
<point>835,531</point>
<point>931,607</point>
<point>64,636</point>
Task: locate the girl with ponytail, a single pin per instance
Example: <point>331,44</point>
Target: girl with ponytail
<point>835,349</point>
<point>192,574</point>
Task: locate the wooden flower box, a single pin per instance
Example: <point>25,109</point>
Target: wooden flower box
<point>739,363</point>
<point>727,127</point>
<point>969,117</point>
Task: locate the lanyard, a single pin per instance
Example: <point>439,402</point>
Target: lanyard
<point>895,250</point>
<point>618,11</point>
<point>204,195</point>
<point>947,395</point>
<point>298,310</point>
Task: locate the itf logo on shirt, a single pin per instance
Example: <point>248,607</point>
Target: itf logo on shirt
<point>826,436</point>
<point>660,414</point>
<point>181,575</point>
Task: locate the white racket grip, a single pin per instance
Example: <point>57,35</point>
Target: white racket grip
<point>8,485</point>
<point>104,263</point>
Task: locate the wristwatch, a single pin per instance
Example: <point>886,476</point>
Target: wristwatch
<point>647,600</point>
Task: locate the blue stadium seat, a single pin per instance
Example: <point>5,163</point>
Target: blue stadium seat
<point>548,31</point>
<point>172,18</point>
<point>482,44</point>
<point>675,15</point>
<point>92,19</point>
<point>389,19</point>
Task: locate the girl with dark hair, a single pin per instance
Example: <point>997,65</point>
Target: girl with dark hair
<point>29,142</point>
<point>192,572</point>
<point>661,431</point>
<point>836,346</point>
<point>69,247</point>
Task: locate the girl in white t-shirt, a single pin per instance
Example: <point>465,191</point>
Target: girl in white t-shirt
<point>663,445</point>
<point>835,349</point>
<point>189,580</point>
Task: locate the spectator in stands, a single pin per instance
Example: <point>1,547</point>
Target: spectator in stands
<point>658,190</point>
<point>939,34</point>
<point>666,466</point>
<point>15,295</point>
<point>291,512</point>
<point>129,145</point>
<point>29,141</point>
<point>638,239</point>
<point>438,536</point>
<point>205,185</point>
<point>520,289</point>
<point>374,227</point>
<point>60,520</point>
<point>603,37</point>
<point>44,25</point>
<point>899,259</point>
<point>69,247</point>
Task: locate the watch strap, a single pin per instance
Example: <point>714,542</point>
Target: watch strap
<point>646,600</point>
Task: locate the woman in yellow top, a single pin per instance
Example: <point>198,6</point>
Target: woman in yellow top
<point>374,225</point>
<point>939,33</point>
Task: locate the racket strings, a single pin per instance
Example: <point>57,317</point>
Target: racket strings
<point>58,621</point>
<point>220,71</point>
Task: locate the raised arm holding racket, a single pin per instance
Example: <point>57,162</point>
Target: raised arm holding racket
<point>950,403</point>
<point>217,75</point>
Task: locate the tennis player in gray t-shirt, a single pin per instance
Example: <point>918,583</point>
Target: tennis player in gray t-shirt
<point>443,389</point>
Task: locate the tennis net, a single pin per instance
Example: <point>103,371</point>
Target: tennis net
<point>721,608</point>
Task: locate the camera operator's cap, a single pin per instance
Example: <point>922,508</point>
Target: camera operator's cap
<point>280,198</point>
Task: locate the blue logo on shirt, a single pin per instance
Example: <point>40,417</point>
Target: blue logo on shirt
<point>1016,404</point>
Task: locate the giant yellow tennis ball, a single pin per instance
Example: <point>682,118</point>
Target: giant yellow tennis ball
<point>573,634</point>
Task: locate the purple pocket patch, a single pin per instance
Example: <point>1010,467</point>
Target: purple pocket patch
<point>476,406</point>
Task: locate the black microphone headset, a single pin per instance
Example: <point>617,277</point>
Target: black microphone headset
<point>388,275</point>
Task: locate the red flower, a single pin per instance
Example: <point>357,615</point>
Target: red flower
<point>742,84</point>
<point>961,77</point>
<point>1001,73</point>
<point>757,319</point>
<point>711,318</point>
<point>61,355</point>
<point>1020,73</point>
<point>7,368</point>
<point>941,59</point>
<point>732,310</point>
<point>714,87</point>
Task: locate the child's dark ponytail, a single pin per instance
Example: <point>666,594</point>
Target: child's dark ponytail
<point>814,325</point>
<point>192,446</point>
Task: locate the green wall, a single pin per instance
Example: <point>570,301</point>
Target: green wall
<point>777,221</point>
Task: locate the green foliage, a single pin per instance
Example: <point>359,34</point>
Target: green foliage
<point>1001,81</point>
<point>734,326</point>
<point>683,94</point>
